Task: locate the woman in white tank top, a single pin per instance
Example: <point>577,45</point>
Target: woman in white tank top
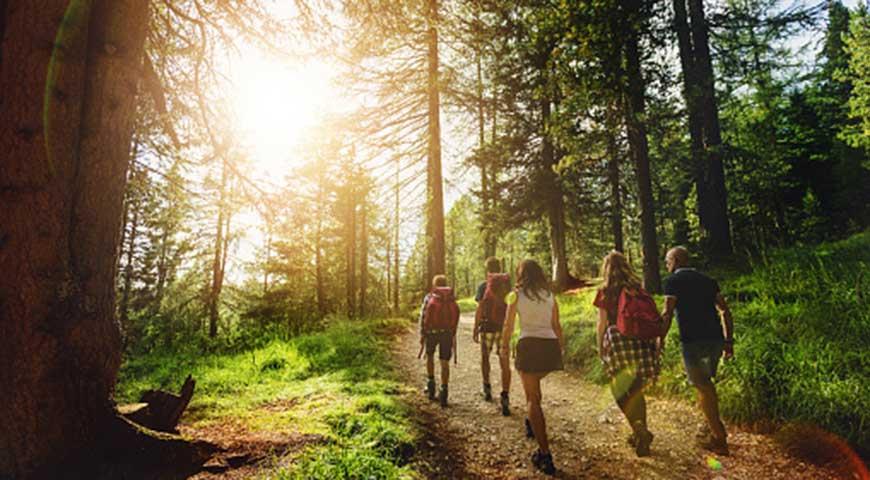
<point>539,350</point>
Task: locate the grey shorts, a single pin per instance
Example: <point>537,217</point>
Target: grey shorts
<point>701,360</point>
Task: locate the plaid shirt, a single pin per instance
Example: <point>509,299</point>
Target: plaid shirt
<point>632,355</point>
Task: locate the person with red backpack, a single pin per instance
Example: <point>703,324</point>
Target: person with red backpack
<point>439,318</point>
<point>488,323</point>
<point>629,337</point>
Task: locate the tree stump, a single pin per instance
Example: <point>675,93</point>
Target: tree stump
<point>159,410</point>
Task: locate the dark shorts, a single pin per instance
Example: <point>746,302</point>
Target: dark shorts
<point>442,340</point>
<point>701,360</point>
<point>538,355</point>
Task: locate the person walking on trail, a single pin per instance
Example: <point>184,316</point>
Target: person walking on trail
<point>705,334</point>
<point>488,324</point>
<point>539,350</point>
<point>632,362</point>
<point>439,318</point>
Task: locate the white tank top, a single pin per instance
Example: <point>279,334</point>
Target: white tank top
<point>536,316</point>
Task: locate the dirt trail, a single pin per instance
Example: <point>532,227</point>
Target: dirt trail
<point>587,431</point>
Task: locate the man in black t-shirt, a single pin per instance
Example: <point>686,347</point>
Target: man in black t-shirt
<point>706,332</point>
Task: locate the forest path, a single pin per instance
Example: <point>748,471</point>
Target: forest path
<point>587,431</point>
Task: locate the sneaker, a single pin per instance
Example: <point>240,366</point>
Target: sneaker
<point>544,462</point>
<point>505,404</point>
<point>430,389</point>
<point>442,396</point>
<point>487,392</point>
<point>529,432</point>
<point>715,445</point>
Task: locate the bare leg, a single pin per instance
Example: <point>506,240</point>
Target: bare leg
<point>445,372</point>
<point>709,402</point>
<point>505,363</point>
<point>430,366</point>
<point>532,387</point>
<point>484,362</point>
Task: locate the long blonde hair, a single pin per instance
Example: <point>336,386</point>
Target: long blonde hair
<point>618,274</point>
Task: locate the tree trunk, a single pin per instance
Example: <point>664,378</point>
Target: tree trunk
<point>435,218</point>
<point>351,258</point>
<point>720,232</point>
<point>639,147</point>
<point>217,280</point>
<point>615,193</point>
<point>364,258</point>
<point>62,188</point>
<point>692,93</point>
<point>396,260</point>
<point>555,203</point>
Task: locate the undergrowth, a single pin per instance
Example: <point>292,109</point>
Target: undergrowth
<point>802,340</point>
<point>331,383</point>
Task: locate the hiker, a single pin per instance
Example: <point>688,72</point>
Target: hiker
<point>439,318</point>
<point>631,362</point>
<point>539,350</point>
<point>488,324</point>
<point>704,337</point>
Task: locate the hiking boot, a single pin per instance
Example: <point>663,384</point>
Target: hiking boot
<point>505,404</point>
<point>544,462</point>
<point>487,392</point>
<point>529,432</point>
<point>442,396</point>
<point>430,389</point>
<point>715,445</point>
<point>640,439</point>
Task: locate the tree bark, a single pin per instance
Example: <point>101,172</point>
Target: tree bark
<point>555,203</point>
<point>615,193</point>
<point>62,183</point>
<point>364,258</point>
<point>217,280</point>
<point>720,231</point>
<point>639,147</point>
<point>435,219</point>
<point>397,227</point>
<point>350,245</point>
<point>692,93</point>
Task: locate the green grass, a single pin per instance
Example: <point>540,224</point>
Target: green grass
<point>332,383</point>
<point>467,305</point>
<point>802,329</point>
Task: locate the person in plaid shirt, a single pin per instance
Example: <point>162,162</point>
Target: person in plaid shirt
<point>631,363</point>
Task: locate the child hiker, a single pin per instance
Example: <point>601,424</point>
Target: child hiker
<point>488,323</point>
<point>439,318</point>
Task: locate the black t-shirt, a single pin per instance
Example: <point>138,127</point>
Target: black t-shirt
<point>696,293</point>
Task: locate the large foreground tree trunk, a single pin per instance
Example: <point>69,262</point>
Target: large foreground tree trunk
<point>435,206</point>
<point>639,147</point>
<point>62,183</point>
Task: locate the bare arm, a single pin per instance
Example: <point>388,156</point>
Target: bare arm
<point>508,329</point>
<point>557,326</point>
<point>478,315</point>
<point>668,312</point>
<point>599,332</point>
<point>727,325</point>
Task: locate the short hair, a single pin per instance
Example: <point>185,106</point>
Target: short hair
<point>439,280</point>
<point>493,265</point>
<point>679,254</point>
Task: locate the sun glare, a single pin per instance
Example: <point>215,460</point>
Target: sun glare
<point>277,106</point>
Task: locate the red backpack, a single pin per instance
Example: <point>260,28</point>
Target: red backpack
<point>442,311</point>
<point>637,315</point>
<point>494,308</point>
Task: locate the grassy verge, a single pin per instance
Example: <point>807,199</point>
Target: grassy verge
<point>467,305</point>
<point>802,328</point>
<point>332,383</point>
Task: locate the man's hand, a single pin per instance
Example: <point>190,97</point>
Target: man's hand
<point>475,337</point>
<point>728,350</point>
<point>422,339</point>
